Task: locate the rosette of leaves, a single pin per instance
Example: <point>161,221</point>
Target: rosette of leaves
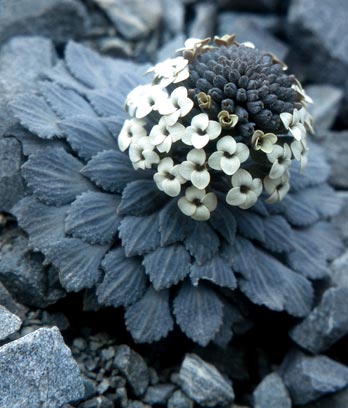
<point>105,225</point>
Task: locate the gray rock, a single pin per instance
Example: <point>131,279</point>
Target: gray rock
<point>38,371</point>
<point>23,273</point>
<point>326,323</point>
<point>271,393</point>
<point>179,400</point>
<point>203,383</point>
<point>322,45</point>
<point>97,402</point>
<point>336,147</point>
<point>326,105</point>
<point>339,271</point>
<point>134,19</point>
<point>7,301</point>
<point>247,30</point>
<point>227,19</point>
<point>9,323</point>
<point>339,400</point>
<point>12,186</point>
<point>168,50</point>
<point>174,16</point>
<point>59,20</point>
<point>134,368</point>
<point>340,221</point>
<point>22,60</point>
<point>203,24</point>
<point>158,394</point>
<point>309,378</point>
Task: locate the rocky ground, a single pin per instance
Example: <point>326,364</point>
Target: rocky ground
<point>61,350</point>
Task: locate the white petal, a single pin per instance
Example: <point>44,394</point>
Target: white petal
<point>200,179</point>
<point>186,168</point>
<point>171,187</point>
<point>143,110</point>
<point>270,184</point>
<point>298,131</point>
<point>185,106</point>
<point>182,75</point>
<point>277,152</point>
<point>277,170</point>
<point>286,118</point>
<point>227,144</point>
<point>187,135</point>
<point>135,153</point>
<point>201,214</point>
<point>242,152</point>
<point>199,141</point>
<point>235,197</point>
<point>200,121</point>
<point>193,193</point>
<point>213,129</point>
<point>273,198</point>
<point>165,165</point>
<point>166,145</point>
<point>241,178</point>
<point>151,158</point>
<point>250,200</point>
<point>210,201</point>
<point>186,206</point>
<point>196,156</point>
<point>256,186</point>
<point>159,178</point>
<point>230,165</point>
<point>267,146</point>
<point>123,141</point>
<point>172,118</point>
<point>214,160</point>
<point>156,135</point>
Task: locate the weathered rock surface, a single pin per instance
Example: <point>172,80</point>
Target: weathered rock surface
<point>9,323</point>
<point>203,383</point>
<point>38,371</point>
<point>271,393</point>
<point>308,378</point>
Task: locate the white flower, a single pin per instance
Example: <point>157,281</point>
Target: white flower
<point>297,87</point>
<point>263,141</point>
<point>132,130</point>
<point>142,155</point>
<point>201,131</point>
<point>197,203</point>
<point>292,122</point>
<point>277,188</point>
<point>245,190</point>
<point>194,168</point>
<point>163,136</point>
<point>172,70</point>
<point>229,155</point>
<point>300,152</point>
<point>146,98</point>
<point>168,178</point>
<point>281,159</point>
<point>181,103</point>
<point>193,47</point>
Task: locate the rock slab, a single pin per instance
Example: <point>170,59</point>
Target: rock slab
<point>308,378</point>
<point>271,393</point>
<point>38,371</point>
<point>9,323</point>
<point>203,383</point>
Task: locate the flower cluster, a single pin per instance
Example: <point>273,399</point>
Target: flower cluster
<point>223,114</point>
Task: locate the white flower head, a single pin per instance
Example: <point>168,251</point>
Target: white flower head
<point>300,152</point>
<point>194,168</point>
<point>263,141</point>
<point>132,130</point>
<point>181,103</point>
<point>229,155</point>
<point>201,131</point>
<point>147,98</point>
<point>168,178</point>
<point>277,188</point>
<point>197,203</point>
<point>172,70</point>
<point>163,136</point>
<point>292,122</point>
<point>281,159</point>
<point>142,155</point>
<point>245,190</point>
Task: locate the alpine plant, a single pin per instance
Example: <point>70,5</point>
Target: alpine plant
<point>178,195</point>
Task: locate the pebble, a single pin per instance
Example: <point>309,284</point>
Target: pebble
<point>7,301</point>
<point>23,272</point>
<point>203,383</point>
<point>133,19</point>
<point>271,393</point>
<point>97,402</point>
<point>179,400</point>
<point>310,377</point>
<point>9,323</point>
<point>59,20</point>
<point>326,323</point>
<point>326,105</point>
<point>38,370</point>
<point>339,271</point>
<point>158,394</point>
<point>134,368</point>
